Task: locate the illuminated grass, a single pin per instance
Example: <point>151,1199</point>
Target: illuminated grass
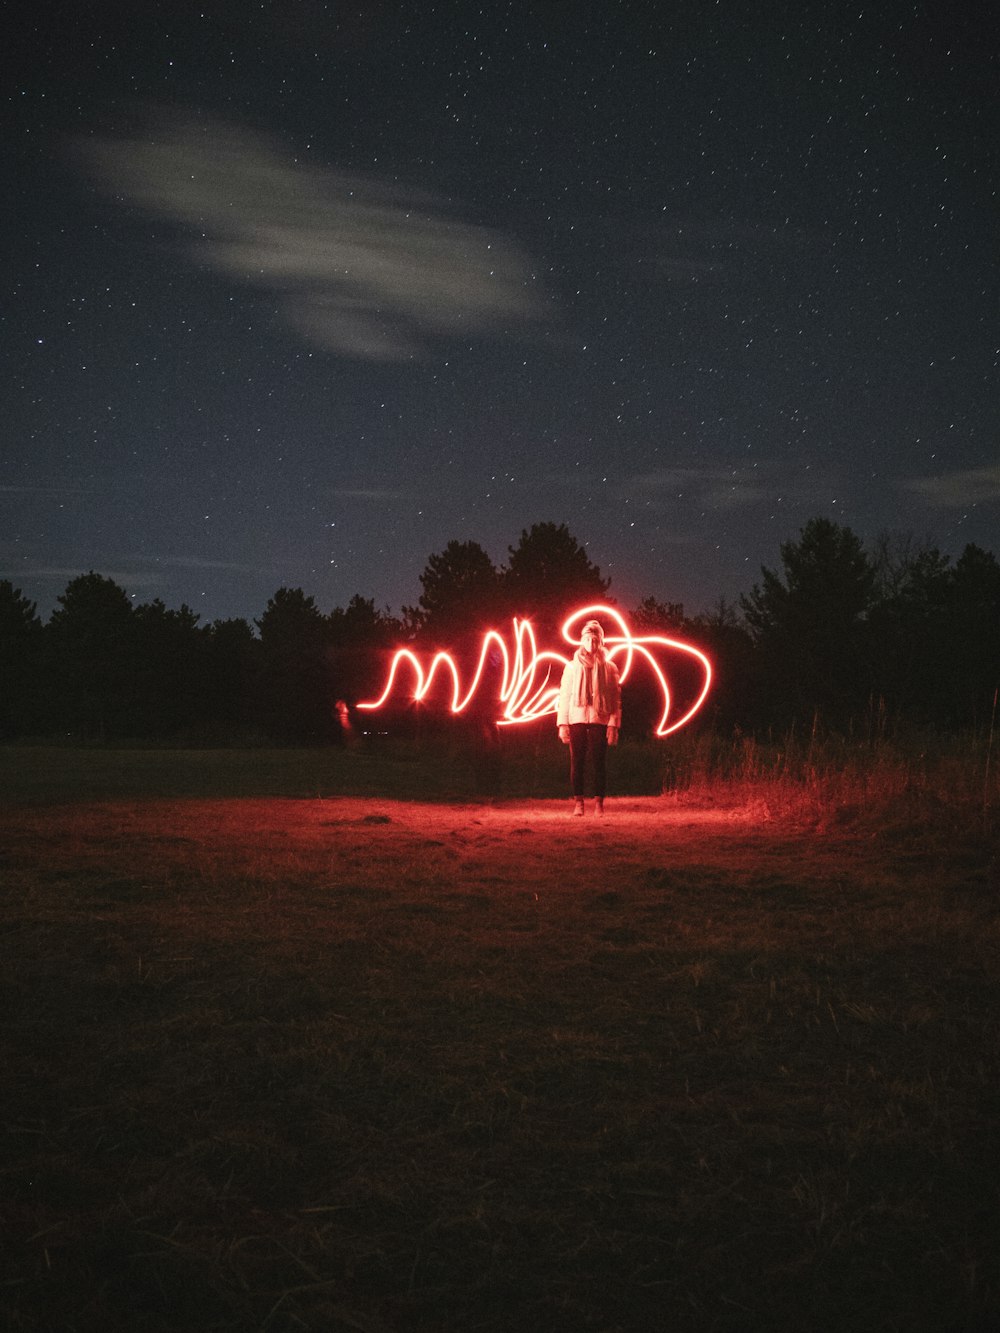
<point>391,1065</point>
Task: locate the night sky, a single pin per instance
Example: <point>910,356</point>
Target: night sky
<point>295,293</point>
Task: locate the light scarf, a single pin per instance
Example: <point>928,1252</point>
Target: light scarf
<point>595,687</point>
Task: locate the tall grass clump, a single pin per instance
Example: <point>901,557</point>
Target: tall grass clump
<point>837,778</point>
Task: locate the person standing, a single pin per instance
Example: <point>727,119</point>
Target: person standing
<point>589,712</point>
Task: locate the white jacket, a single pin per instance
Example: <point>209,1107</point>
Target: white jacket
<point>568,712</point>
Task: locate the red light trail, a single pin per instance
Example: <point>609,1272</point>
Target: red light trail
<point>530,687</point>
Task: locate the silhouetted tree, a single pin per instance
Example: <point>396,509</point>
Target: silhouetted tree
<point>459,594</point>
<point>812,644</point>
<point>20,663</point>
<point>718,634</point>
<point>936,632</point>
<point>296,703</point>
<point>548,574</point>
<point>974,632</point>
<point>91,648</point>
<point>168,659</point>
<point>833,630</point>
<point>643,698</point>
<point>722,635</point>
<point>359,637</point>
<point>231,678</point>
<point>658,617</point>
<point>908,624</point>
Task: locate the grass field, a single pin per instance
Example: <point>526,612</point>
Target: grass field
<point>282,1055</point>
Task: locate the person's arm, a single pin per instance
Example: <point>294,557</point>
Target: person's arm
<point>562,707</point>
<point>615,720</point>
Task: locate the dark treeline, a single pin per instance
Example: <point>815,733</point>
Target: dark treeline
<point>855,640</point>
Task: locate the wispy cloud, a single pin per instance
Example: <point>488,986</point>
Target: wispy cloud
<point>733,488</point>
<point>685,479</point>
<point>129,571</point>
<point>65,573</point>
<point>954,490</point>
<point>355,265</point>
<point>370,493</point>
<point>716,487</point>
<point>196,562</point>
<point>685,249</point>
<point>46,490</point>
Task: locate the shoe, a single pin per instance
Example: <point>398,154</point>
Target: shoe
<point>599,806</point>
<point>578,808</point>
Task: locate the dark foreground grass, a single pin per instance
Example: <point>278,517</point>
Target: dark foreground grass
<point>351,1064</point>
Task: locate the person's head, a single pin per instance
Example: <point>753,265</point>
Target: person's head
<point>592,636</point>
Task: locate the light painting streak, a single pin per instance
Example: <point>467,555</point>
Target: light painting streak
<point>530,684</point>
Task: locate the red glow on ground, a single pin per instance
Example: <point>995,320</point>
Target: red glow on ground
<point>530,680</point>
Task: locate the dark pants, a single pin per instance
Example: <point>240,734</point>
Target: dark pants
<point>584,737</point>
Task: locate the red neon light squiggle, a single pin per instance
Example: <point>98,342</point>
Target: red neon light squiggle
<point>530,687</point>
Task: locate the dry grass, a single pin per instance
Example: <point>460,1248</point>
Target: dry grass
<point>358,1064</point>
